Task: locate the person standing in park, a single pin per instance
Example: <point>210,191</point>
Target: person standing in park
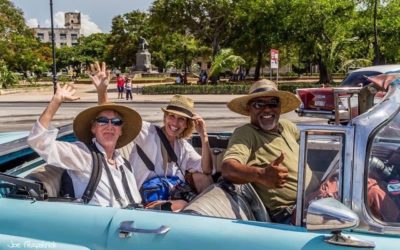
<point>120,86</point>
<point>128,88</point>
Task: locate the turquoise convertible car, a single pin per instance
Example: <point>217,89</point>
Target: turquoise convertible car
<point>358,165</point>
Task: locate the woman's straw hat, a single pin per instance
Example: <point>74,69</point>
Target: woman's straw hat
<point>180,105</point>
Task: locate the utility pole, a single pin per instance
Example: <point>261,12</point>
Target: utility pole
<point>185,70</point>
<point>53,49</point>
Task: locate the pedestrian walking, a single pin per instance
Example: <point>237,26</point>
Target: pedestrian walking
<point>120,86</point>
<point>128,88</point>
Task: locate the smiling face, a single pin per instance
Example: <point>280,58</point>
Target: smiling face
<point>174,125</point>
<point>264,112</point>
<point>107,134</point>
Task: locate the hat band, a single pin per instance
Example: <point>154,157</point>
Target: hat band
<point>262,90</point>
<point>179,109</point>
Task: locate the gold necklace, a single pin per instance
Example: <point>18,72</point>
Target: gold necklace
<point>111,161</point>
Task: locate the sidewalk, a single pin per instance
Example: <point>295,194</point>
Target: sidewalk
<point>87,93</point>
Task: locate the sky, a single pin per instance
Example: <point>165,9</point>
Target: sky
<point>96,15</point>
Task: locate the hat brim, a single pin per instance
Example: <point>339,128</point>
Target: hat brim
<point>131,127</point>
<point>177,113</point>
<point>288,101</point>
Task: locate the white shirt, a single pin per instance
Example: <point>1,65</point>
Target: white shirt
<point>77,159</point>
<point>150,142</point>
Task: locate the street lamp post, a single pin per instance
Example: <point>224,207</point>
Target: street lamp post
<point>53,49</point>
<point>184,63</point>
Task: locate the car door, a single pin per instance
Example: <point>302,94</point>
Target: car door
<point>183,231</point>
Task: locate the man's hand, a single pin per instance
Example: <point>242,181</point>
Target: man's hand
<point>100,76</point>
<point>274,174</point>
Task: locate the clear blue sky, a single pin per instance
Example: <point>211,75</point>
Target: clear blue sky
<point>99,12</point>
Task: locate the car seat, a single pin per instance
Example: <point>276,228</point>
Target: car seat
<point>229,201</point>
<point>50,176</point>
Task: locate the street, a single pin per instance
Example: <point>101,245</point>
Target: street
<point>19,116</point>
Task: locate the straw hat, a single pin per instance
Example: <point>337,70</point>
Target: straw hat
<point>130,129</point>
<point>180,105</point>
<point>264,87</point>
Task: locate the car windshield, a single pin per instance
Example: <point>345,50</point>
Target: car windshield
<point>355,78</point>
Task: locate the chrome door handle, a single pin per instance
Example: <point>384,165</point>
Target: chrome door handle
<point>126,229</point>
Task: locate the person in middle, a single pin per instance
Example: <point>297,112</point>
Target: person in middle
<point>179,122</point>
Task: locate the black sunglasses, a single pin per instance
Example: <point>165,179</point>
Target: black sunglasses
<point>102,121</point>
<point>262,104</point>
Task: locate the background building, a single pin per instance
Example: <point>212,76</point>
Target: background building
<point>67,36</point>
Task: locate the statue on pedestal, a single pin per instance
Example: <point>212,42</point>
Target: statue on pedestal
<point>143,56</point>
<point>143,45</point>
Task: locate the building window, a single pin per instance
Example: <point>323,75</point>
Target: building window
<point>63,44</point>
<point>74,37</point>
<point>74,44</point>
<point>40,36</point>
<point>63,36</point>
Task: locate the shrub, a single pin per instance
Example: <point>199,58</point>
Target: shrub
<point>234,89</point>
<point>7,78</point>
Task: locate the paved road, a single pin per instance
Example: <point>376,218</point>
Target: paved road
<point>18,116</point>
<point>20,108</point>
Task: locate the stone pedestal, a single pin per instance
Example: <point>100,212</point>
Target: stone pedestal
<point>143,61</point>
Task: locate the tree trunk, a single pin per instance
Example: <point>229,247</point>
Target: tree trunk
<point>258,65</point>
<point>376,45</point>
<point>215,48</point>
<point>324,74</point>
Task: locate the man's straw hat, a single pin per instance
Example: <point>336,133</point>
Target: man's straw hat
<point>130,128</point>
<point>261,88</point>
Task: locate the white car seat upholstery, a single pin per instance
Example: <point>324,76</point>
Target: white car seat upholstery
<point>50,176</point>
<point>217,202</point>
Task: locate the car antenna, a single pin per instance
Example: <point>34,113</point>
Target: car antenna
<point>53,49</point>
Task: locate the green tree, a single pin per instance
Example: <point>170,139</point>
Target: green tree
<point>209,21</point>
<point>124,38</point>
<point>225,60</point>
<point>377,25</point>
<point>90,49</point>
<point>18,46</point>
<point>322,30</point>
<point>258,28</point>
<point>7,78</point>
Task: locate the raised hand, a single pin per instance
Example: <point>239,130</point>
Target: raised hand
<point>65,93</point>
<point>199,125</point>
<point>275,174</point>
<point>100,76</point>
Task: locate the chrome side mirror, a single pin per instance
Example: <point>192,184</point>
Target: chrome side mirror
<point>330,214</point>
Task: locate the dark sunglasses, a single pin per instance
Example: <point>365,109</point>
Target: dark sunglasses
<point>262,104</point>
<point>102,121</point>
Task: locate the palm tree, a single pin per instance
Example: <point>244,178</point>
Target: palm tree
<point>224,60</point>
